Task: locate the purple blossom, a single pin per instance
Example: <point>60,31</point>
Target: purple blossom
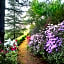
<point>30,43</point>
<point>35,41</point>
<point>52,42</point>
<point>49,51</point>
<point>61,29</point>
<point>53,38</point>
<point>54,46</point>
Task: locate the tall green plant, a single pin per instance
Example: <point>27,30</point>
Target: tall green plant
<point>36,11</point>
<point>55,11</point>
<point>52,12</point>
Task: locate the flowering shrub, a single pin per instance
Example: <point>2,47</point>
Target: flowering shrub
<point>35,43</point>
<point>11,45</point>
<point>53,41</point>
<point>8,53</point>
<point>50,43</point>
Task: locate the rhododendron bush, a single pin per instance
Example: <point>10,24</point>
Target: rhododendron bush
<point>49,43</point>
<point>8,53</point>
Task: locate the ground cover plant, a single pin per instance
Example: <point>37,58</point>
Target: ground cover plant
<point>49,43</point>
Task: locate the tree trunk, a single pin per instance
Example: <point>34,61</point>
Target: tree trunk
<point>2,14</point>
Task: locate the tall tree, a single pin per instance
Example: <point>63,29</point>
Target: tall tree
<point>2,14</point>
<point>14,19</point>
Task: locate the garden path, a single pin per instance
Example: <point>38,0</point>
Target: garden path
<point>25,57</point>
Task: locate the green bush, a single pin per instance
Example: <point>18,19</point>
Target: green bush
<point>21,39</point>
<point>11,58</point>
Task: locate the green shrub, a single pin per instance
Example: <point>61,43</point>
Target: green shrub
<point>21,39</point>
<point>11,58</point>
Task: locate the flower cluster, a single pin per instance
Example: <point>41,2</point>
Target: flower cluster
<point>54,38</point>
<point>11,45</point>
<point>61,26</point>
<point>35,42</point>
<point>1,47</point>
<point>28,38</point>
<point>52,41</point>
<point>8,52</point>
<point>8,46</point>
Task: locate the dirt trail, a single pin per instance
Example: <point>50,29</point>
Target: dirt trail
<point>25,57</point>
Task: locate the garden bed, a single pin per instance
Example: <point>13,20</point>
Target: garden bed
<point>49,44</point>
<point>8,53</point>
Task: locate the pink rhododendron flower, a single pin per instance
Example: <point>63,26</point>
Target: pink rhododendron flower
<point>12,49</point>
<point>2,51</point>
<point>0,42</point>
<point>16,40</point>
<point>14,44</point>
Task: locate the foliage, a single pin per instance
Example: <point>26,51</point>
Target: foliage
<point>51,11</point>
<point>8,54</point>
<point>14,20</point>
<point>11,57</point>
<point>55,11</point>
<point>38,8</point>
<point>22,38</point>
<point>49,44</point>
<point>8,58</point>
<point>8,34</point>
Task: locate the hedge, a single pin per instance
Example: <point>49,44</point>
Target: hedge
<point>22,38</point>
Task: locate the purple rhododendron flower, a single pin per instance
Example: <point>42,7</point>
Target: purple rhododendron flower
<point>53,35</point>
<point>54,46</point>
<point>32,37</point>
<point>53,41</point>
